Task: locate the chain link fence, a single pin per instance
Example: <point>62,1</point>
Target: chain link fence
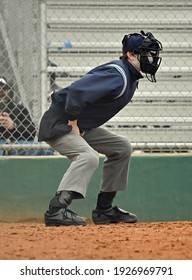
<point>46,45</point>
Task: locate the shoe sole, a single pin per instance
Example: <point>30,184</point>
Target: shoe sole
<point>112,222</point>
<point>60,223</point>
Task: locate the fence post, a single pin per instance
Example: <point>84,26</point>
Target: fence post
<point>43,56</point>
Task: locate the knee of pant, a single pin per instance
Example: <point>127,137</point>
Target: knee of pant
<point>125,147</point>
<point>92,159</point>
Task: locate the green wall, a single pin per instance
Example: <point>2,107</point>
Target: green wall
<point>160,187</point>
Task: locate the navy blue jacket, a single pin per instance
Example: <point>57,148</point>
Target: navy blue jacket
<point>93,99</point>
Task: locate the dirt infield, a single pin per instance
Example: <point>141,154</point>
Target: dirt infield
<point>141,241</point>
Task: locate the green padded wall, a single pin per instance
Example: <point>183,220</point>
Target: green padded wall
<point>159,188</point>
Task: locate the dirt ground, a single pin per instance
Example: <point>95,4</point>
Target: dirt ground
<point>141,241</point>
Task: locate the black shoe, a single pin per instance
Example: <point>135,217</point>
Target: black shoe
<point>113,215</point>
<point>64,217</point>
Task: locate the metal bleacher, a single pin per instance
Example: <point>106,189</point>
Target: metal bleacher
<point>84,34</point>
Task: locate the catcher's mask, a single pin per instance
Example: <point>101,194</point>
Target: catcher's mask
<point>147,49</point>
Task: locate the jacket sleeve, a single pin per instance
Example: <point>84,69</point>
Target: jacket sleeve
<point>25,128</point>
<point>103,81</point>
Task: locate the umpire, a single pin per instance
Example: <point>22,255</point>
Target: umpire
<point>72,127</point>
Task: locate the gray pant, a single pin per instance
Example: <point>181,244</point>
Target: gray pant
<point>84,157</point>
